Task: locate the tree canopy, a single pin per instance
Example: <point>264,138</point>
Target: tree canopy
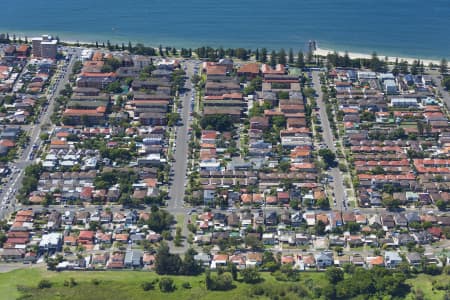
<point>217,122</point>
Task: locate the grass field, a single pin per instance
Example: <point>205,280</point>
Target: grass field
<point>127,285</point>
<point>119,285</point>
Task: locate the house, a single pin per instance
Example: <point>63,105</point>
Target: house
<point>271,219</point>
<point>422,237</point>
<point>50,243</point>
<point>219,260</point>
<point>337,241</point>
<point>392,259</point>
<point>342,260</point>
<point>70,240</point>
<point>148,259</point>
<point>116,261</point>
<point>357,260</point>
<point>133,259</point>
<point>375,261</point>
<point>402,239</point>
<point>268,238</point>
<point>100,259</point>
<point>238,260</point>
<point>400,220</point>
<point>324,259</point>
<point>69,218</point>
<point>404,102</point>
<point>309,261</point>
<point>86,237</point>
<point>287,260</point>
<point>153,237</point>
<point>203,258</point>
<point>233,220</point>
<point>30,258</point>
<point>253,259</point>
<point>296,219</point>
<point>413,258</point>
<point>301,239</point>
<point>12,255</point>
<point>54,220</point>
<point>103,238</point>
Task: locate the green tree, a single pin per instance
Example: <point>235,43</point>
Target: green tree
<point>329,157</point>
<point>291,57</point>
<point>160,220</point>
<point>190,266</point>
<point>334,275</point>
<point>319,228</point>
<point>273,59</point>
<point>446,82</point>
<point>114,87</point>
<point>441,205</point>
<point>165,262</point>
<point>300,63</point>
<point>217,122</point>
<point>282,57</point>
<point>443,67</point>
<point>251,275</point>
<point>263,55</point>
<point>253,242</point>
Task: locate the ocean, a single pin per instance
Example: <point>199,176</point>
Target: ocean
<point>405,28</point>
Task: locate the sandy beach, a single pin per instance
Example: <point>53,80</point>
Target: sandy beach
<point>391,59</point>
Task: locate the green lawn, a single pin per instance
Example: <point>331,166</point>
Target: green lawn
<point>120,285</point>
<point>127,285</point>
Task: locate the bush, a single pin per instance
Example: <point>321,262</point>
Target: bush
<point>147,286</point>
<point>44,284</point>
<point>186,285</point>
<point>251,275</point>
<point>95,281</point>
<point>70,283</point>
<point>219,282</point>
<point>432,270</point>
<point>166,285</point>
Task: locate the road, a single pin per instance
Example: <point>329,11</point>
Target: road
<point>337,182</point>
<point>34,131</point>
<point>445,94</point>
<point>179,167</point>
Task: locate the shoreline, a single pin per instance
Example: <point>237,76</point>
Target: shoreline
<point>391,59</point>
<point>319,51</point>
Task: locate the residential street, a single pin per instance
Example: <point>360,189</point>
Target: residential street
<point>337,183</point>
<point>179,167</point>
<point>34,132</point>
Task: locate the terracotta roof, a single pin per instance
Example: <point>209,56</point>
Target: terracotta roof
<point>92,74</point>
<point>58,142</point>
<point>85,112</point>
<point>86,235</point>
<point>220,257</point>
<point>377,260</point>
<point>251,68</point>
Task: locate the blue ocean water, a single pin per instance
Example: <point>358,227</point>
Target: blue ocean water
<point>411,28</point>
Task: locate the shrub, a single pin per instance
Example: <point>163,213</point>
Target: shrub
<point>147,286</point>
<point>251,275</point>
<point>44,284</point>
<point>95,281</point>
<point>166,285</point>
<point>186,285</point>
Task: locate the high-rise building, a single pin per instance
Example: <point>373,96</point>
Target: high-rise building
<point>45,46</point>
